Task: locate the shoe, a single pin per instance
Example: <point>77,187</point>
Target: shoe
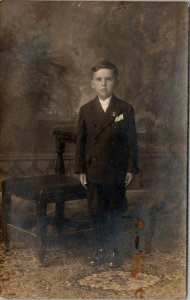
<point>100,259</point>
<point>116,259</point>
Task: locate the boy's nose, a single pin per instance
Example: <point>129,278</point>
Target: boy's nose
<point>103,82</point>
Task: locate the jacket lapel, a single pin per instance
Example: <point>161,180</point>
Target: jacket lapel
<point>114,107</point>
<point>108,117</point>
<point>97,114</point>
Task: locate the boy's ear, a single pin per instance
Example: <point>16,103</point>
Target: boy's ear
<point>92,83</point>
<point>117,82</point>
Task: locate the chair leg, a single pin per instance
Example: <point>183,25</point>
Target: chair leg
<point>59,216</point>
<point>41,212</point>
<point>6,208</point>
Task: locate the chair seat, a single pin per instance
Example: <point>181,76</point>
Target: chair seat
<point>49,187</point>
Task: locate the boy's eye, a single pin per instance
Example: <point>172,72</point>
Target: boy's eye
<point>107,78</point>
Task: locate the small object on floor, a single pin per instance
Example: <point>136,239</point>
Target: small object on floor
<point>100,258</point>
<point>116,259</point>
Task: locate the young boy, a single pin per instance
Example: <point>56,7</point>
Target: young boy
<point>106,160</point>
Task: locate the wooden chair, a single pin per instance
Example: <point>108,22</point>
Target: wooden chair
<point>42,190</point>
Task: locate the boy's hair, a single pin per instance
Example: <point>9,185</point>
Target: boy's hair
<point>104,64</point>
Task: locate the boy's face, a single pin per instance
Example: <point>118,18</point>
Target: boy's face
<point>103,82</point>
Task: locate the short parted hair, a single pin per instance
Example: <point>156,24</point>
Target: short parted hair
<point>104,64</point>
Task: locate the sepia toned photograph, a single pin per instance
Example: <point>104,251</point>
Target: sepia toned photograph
<point>93,149</point>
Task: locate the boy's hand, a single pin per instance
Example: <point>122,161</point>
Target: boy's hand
<point>128,178</point>
<point>83,180</point>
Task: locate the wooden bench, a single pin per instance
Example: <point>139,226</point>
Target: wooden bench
<point>42,190</point>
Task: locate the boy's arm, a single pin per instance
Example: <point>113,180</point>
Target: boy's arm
<point>132,143</point>
<point>80,165</point>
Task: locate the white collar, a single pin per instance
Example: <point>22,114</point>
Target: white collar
<point>106,101</point>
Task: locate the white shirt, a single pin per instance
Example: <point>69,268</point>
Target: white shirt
<point>105,103</point>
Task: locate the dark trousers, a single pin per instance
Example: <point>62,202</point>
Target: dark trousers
<point>107,203</point>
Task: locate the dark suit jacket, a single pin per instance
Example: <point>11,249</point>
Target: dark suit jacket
<point>105,149</point>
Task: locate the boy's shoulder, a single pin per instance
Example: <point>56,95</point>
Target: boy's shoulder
<point>89,103</point>
<point>123,103</point>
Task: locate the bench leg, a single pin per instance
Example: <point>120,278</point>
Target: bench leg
<point>6,208</point>
<point>59,216</point>
<point>41,212</point>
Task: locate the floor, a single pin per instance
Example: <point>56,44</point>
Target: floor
<point>66,272</point>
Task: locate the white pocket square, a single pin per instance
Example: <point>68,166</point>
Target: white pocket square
<point>119,118</point>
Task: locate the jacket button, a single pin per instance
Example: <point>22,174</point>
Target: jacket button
<point>94,159</point>
<point>95,141</point>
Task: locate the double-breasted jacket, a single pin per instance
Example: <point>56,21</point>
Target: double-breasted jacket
<point>105,149</point>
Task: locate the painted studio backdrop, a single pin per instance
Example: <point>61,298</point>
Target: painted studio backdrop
<point>47,49</point>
